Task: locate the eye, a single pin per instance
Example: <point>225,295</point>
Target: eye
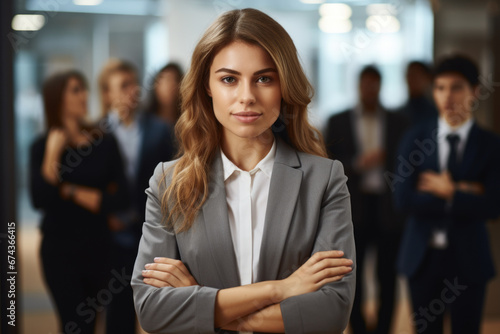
<point>264,79</point>
<point>228,80</point>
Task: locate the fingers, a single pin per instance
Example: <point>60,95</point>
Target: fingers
<point>318,256</point>
<point>329,280</point>
<point>331,263</point>
<point>171,271</point>
<point>166,277</point>
<point>177,263</point>
<point>330,275</point>
<point>155,282</point>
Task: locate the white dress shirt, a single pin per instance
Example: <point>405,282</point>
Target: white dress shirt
<point>246,196</point>
<point>369,129</point>
<point>444,129</point>
<point>129,140</point>
<point>439,237</point>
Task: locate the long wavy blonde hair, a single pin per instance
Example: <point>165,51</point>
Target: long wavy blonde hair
<point>199,132</point>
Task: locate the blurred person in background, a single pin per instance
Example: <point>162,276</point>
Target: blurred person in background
<point>420,107</point>
<point>365,140</point>
<point>77,180</point>
<point>448,180</point>
<point>164,100</point>
<point>144,141</point>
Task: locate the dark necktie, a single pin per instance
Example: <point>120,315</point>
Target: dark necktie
<point>452,165</point>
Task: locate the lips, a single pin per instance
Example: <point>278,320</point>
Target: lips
<point>247,116</point>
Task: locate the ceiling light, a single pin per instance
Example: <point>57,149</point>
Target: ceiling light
<point>312,1</point>
<point>87,2</point>
<point>334,26</point>
<point>335,10</point>
<point>381,9</point>
<point>27,22</point>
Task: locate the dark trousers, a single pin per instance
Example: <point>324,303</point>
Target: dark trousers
<point>371,232</point>
<point>76,275</point>
<point>121,317</point>
<point>437,288</point>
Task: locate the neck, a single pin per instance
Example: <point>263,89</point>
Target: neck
<point>246,153</point>
<point>168,113</point>
<point>73,131</point>
<point>126,116</point>
<point>369,110</point>
<point>454,124</point>
<point>71,126</point>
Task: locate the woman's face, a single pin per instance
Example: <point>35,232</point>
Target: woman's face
<point>245,90</point>
<point>74,100</point>
<point>167,87</point>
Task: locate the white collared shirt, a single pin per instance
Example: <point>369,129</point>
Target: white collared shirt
<point>246,196</point>
<point>129,140</point>
<point>444,129</point>
<point>439,238</point>
<point>370,136</point>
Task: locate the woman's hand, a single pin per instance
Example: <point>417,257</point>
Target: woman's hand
<point>321,268</point>
<point>54,146</point>
<point>167,272</point>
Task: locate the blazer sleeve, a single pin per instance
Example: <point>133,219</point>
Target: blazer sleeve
<point>167,310</point>
<point>404,182</point>
<point>328,309</point>
<point>471,207</point>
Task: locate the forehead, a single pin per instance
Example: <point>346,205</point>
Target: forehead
<point>118,76</point>
<point>450,78</point>
<point>74,81</point>
<point>239,54</point>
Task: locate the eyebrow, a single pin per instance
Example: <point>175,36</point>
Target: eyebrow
<point>228,70</point>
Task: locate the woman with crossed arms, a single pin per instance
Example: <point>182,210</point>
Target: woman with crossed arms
<point>250,229</point>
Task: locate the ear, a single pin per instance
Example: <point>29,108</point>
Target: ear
<point>207,87</point>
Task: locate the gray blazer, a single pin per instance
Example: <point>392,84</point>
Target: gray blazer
<point>308,210</point>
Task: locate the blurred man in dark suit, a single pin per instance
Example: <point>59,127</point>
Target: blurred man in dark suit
<point>365,140</point>
<point>419,108</point>
<point>448,180</point>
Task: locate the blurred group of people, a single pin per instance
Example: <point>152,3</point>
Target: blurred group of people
<point>423,180</point>
<point>89,180</point>
<point>419,195</point>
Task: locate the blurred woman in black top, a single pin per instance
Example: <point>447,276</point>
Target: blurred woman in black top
<point>77,179</point>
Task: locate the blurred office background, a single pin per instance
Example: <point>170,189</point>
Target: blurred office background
<point>334,40</point>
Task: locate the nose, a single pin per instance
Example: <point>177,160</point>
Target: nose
<point>448,96</point>
<point>246,93</point>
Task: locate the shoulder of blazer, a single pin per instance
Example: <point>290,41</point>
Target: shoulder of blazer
<point>343,116</point>
<point>485,134</point>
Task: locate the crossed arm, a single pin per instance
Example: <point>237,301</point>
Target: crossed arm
<point>316,297</point>
<point>254,307</point>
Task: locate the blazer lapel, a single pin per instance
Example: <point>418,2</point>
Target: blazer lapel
<point>283,193</point>
<point>433,160</point>
<point>471,148</point>
<point>216,224</point>
<point>145,144</point>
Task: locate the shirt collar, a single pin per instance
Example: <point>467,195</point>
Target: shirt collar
<point>462,131</point>
<point>115,121</point>
<point>265,165</point>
